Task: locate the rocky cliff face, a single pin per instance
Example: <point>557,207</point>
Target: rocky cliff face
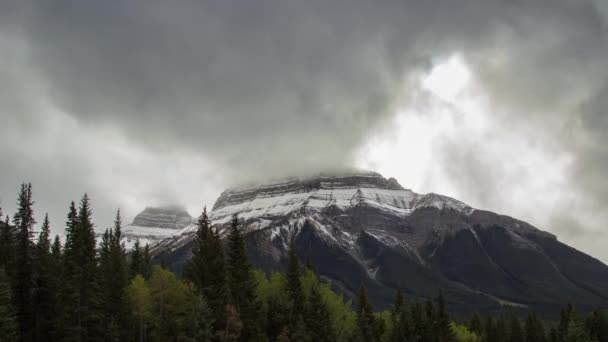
<point>156,223</point>
<point>362,229</point>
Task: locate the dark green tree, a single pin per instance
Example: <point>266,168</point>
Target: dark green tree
<point>8,318</point>
<point>318,319</point>
<point>24,254</point>
<point>475,324</point>
<point>81,295</point>
<point>515,333</point>
<point>46,286</point>
<point>146,262</point>
<point>443,329</point>
<point>400,320</point>
<point>7,248</point>
<point>206,269</point>
<point>490,331</point>
<point>242,284</point>
<point>566,316</point>
<point>135,260</point>
<point>294,287</point>
<point>366,322</point>
<point>534,329</point>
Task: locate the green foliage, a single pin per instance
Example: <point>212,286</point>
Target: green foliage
<point>206,270</point>
<point>24,254</point>
<point>463,334</point>
<point>8,318</point>
<point>242,284</point>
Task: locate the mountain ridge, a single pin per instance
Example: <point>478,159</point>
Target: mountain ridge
<point>365,229</point>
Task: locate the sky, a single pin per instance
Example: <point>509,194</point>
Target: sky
<point>502,104</point>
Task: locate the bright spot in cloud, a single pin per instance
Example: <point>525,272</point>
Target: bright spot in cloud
<point>448,80</point>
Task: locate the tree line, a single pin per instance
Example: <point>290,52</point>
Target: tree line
<point>82,290</point>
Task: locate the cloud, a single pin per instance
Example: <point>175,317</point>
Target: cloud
<point>154,101</point>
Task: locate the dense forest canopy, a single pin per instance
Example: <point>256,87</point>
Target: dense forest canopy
<point>81,290</point>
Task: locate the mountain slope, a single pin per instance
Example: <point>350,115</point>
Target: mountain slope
<point>154,224</point>
<point>364,229</point>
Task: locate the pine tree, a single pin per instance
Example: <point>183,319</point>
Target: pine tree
<point>7,249</point>
<point>501,329</point>
<point>366,322</point>
<point>418,323</point>
<point>8,318</point>
<point>294,286</point>
<point>318,320</point>
<point>400,319</point>
<point>80,293</point>
<point>490,331</point>
<point>146,262</point>
<point>242,284</point>
<point>203,321</point>
<point>206,269</point>
<point>566,316</point>
<point>516,334</point>
<point>430,331</point>
<point>443,329</point>
<point>24,282</point>
<point>47,283</point>
<point>534,329</point>
<point>475,324</point>
<point>135,265</point>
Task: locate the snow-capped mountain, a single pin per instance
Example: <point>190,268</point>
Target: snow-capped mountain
<point>154,224</point>
<point>362,229</point>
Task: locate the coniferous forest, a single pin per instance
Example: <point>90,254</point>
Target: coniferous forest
<point>76,289</point>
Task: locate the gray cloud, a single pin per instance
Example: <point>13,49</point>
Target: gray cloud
<point>263,88</point>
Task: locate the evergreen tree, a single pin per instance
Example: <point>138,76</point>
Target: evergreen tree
<point>318,320</point>
<point>206,269</point>
<point>515,334</point>
<point>502,330</point>
<point>80,292</point>
<point>47,283</point>
<point>7,248</point>
<point>490,331</point>
<point>242,284</point>
<point>535,332</point>
<point>566,316</point>
<point>146,262</point>
<point>203,321</point>
<point>400,320</point>
<point>475,324</point>
<point>366,322</point>
<point>24,282</point>
<point>443,329</point>
<point>430,331</point>
<point>8,318</point>
<point>294,287</point>
<point>136,260</point>
<point>418,322</point>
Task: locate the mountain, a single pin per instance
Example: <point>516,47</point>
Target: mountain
<point>156,223</point>
<point>362,229</point>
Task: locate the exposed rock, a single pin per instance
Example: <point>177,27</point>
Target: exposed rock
<point>361,228</point>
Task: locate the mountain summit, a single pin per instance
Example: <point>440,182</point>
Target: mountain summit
<point>363,229</point>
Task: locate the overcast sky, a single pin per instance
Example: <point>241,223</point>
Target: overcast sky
<point>501,104</point>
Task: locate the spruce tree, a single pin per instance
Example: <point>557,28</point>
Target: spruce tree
<point>146,262</point>
<point>443,329</point>
<point>400,320</point>
<point>566,316</point>
<point>475,324</point>
<point>24,282</point>
<point>515,334</point>
<point>136,260</point>
<point>7,249</point>
<point>206,269</point>
<point>82,313</point>
<point>366,322</point>
<point>47,283</point>
<point>318,319</point>
<point>8,318</point>
<point>294,286</point>
<point>242,284</point>
<point>534,329</point>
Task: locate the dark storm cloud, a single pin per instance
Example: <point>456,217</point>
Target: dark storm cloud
<point>262,88</point>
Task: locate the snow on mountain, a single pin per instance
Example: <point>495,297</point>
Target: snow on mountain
<point>154,224</point>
